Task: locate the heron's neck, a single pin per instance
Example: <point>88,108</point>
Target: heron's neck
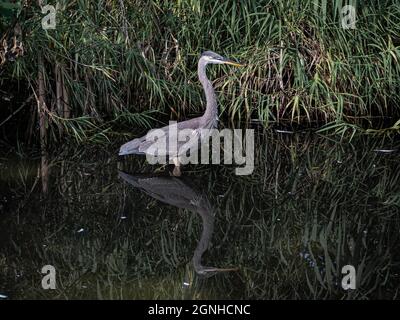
<point>211,112</point>
<point>207,217</point>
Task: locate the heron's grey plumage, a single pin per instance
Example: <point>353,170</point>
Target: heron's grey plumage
<point>208,120</point>
<point>181,194</point>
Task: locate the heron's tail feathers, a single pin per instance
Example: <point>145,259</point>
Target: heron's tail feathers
<point>136,146</point>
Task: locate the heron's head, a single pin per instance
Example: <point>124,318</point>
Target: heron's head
<point>210,57</point>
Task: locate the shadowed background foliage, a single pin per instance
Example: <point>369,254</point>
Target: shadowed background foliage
<point>128,64</point>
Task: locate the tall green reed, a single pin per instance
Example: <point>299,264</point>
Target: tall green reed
<point>114,58</point>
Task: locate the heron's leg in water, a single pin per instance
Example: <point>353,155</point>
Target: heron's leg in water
<point>177,169</point>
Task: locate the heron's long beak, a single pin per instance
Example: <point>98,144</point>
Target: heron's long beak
<point>226,269</point>
<point>233,63</point>
<point>212,269</point>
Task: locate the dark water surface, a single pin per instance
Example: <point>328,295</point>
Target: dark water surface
<point>312,206</point>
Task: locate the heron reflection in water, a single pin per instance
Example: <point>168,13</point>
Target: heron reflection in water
<point>180,194</point>
<point>209,120</point>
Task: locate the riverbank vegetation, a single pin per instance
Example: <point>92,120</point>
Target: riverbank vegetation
<point>124,66</point>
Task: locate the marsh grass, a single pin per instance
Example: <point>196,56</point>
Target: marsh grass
<point>312,205</point>
<point>105,61</point>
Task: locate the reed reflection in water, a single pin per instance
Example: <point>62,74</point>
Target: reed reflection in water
<point>311,206</point>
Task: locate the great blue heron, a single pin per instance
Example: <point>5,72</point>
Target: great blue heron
<point>208,120</point>
<point>180,194</point>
